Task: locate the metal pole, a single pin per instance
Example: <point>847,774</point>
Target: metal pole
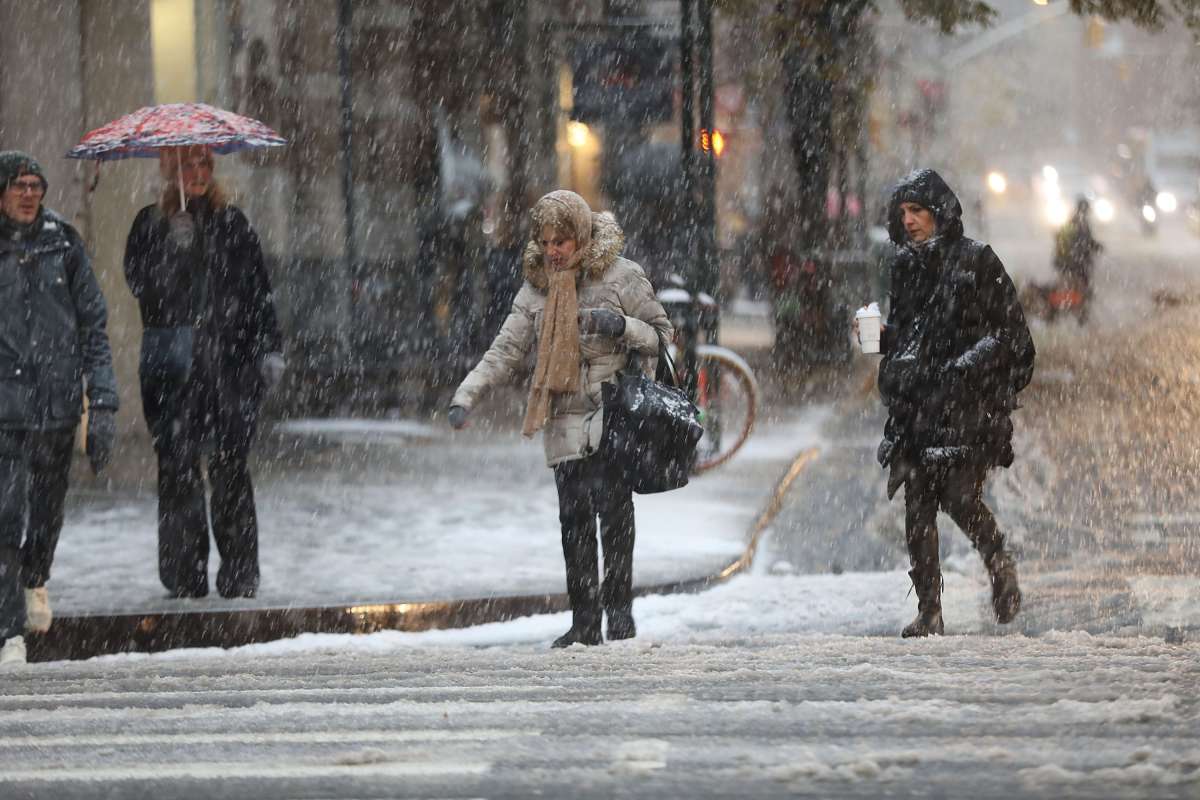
<point>344,27</point>
<point>518,137</point>
<point>710,271</point>
<point>687,116</point>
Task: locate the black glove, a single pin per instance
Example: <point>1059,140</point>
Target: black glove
<point>181,228</point>
<point>946,380</point>
<point>457,417</point>
<point>272,367</point>
<point>602,322</point>
<point>101,435</point>
<point>950,372</point>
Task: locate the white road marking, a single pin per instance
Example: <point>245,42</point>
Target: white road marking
<point>310,737</point>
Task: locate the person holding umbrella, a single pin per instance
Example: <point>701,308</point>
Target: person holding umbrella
<point>211,349</point>
<point>53,337</point>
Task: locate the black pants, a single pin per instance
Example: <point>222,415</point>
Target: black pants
<point>589,488</point>
<point>34,472</point>
<point>958,491</point>
<point>183,521</point>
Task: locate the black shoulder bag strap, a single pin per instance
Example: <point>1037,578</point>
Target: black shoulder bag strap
<point>665,372</point>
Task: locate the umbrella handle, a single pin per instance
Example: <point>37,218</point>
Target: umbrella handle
<point>95,181</point>
<point>179,174</point>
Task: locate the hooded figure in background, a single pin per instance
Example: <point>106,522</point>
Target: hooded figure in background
<point>53,339</point>
<point>582,310</point>
<point>211,349</point>
<point>1075,251</point>
<point>956,351</point>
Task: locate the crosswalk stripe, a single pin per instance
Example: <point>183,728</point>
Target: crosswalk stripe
<point>227,771</point>
<point>278,737</point>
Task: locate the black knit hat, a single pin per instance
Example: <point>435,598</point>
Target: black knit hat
<point>14,164</point>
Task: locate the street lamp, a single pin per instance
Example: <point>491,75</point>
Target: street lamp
<point>577,134</point>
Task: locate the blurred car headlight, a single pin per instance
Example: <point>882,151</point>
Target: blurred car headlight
<point>1056,211</point>
<point>1105,211</point>
<point>1148,213</point>
<point>997,182</point>
<point>1166,202</point>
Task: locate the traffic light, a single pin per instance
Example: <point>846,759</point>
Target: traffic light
<point>714,141</point>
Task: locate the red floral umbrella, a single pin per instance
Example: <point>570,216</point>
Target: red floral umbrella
<point>147,131</point>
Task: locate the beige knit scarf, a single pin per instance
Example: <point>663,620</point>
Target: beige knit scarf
<point>557,369</point>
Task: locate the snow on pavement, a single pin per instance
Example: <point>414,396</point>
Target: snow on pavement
<point>774,685</point>
<point>396,510</point>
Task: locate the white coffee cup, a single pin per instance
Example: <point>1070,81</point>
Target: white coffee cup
<point>868,318</point>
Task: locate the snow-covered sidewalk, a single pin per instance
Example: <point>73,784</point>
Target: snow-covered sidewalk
<point>386,511</point>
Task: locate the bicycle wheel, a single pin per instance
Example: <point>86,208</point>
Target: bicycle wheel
<point>727,396</point>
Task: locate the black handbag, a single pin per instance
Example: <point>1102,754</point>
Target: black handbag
<point>651,429</point>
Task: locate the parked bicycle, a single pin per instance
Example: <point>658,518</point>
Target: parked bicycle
<point>717,379</point>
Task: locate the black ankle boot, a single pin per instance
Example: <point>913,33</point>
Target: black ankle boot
<point>620,625</point>
<point>1006,594</point>
<point>928,622</point>
<point>588,635</point>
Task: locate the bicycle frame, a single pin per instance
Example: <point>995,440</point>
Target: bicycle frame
<point>691,313</point>
<point>706,372</point>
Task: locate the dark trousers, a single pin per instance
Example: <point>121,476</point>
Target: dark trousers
<point>183,521</point>
<point>958,491</point>
<point>589,488</point>
<point>34,471</point>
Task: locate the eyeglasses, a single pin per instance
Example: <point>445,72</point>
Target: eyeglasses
<point>34,188</point>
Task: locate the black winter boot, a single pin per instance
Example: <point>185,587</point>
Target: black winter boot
<point>580,633</point>
<point>928,585</point>
<point>620,625</point>
<point>1006,594</point>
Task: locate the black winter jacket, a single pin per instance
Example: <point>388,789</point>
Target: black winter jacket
<point>209,319</point>
<point>53,330</point>
<point>956,348</point>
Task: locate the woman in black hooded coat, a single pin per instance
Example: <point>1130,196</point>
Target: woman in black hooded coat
<point>956,353</point>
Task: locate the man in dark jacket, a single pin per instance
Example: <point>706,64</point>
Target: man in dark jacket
<point>956,352</point>
<point>53,336</point>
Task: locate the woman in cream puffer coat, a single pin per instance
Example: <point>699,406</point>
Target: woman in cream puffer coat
<point>582,309</point>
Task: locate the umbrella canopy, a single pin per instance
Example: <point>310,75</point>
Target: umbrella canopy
<point>148,130</point>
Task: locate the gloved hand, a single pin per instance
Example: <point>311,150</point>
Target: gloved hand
<point>101,435</point>
<point>601,321</point>
<point>271,368</point>
<point>947,378</point>
<point>457,417</point>
<point>181,228</point>
<point>951,372</point>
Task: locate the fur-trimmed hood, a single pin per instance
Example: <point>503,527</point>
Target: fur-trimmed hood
<point>608,240</point>
<point>604,281</point>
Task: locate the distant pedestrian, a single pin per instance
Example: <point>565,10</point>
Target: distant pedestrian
<point>53,339</point>
<point>956,353</point>
<point>1075,251</point>
<point>211,349</point>
<point>502,270</point>
<point>583,309</point>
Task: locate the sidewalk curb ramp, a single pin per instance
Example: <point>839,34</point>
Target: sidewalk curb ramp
<point>88,635</point>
